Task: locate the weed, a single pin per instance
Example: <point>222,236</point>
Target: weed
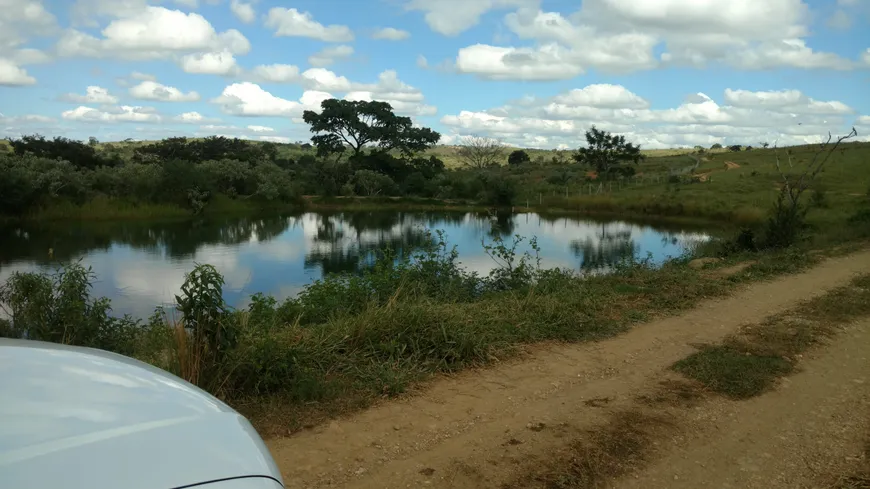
<point>750,362</point>
<point>732,371</point>
<point>599,455</point>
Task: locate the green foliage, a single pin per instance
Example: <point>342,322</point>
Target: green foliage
<point>209,148</point>
<point>716,146</point>
<point>518,157</point>
<point>59,308</point>
<point>511,272</point>
<point>608,154</point>
<point>356,124</point>
<point>79,154</point>
<point>204,312</point>
<point>733,372</point>
<point>497,190</point>
<point>368,182</point>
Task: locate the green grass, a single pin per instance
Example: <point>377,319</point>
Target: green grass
<point>732,371</point>
<point>352,360</point>
<point>749,363</point>
<point>742,195</point>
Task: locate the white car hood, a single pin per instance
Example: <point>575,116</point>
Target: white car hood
<point>84,418</point>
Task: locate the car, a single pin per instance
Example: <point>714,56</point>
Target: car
<point>76,417</point>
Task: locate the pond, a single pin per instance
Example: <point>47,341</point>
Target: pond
<point>140,264</point>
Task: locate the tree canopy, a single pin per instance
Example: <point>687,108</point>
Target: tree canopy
<point>518,157</point>
<point>608,153</point>
<point>355,124</point>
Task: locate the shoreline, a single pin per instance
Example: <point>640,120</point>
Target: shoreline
<point>114,210</point>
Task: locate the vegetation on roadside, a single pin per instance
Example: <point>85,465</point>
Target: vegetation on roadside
<point>351,338</point>
<point>750,362</point>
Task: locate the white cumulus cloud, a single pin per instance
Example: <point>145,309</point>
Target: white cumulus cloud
<point>152,32</point>
<point>330,55</point>
<point>243,11</point>
<point>744,117</point>
<point>249,99</point>
<point>13,75</point>
<point>124,113</point>
<point>218,63</point>
<point>276,73</point>
<point>151,90</point>
<point>622,36</point>
<point>291,22</point>
<point>93,95</point>
<point>193,118</point>
<point>451,17</point>
<point>391,34</point>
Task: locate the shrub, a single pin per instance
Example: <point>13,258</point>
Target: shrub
<point>786,222</point>
<point>518,157</point>
<point>60,309</point>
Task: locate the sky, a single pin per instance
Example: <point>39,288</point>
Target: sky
<point>531,73</point>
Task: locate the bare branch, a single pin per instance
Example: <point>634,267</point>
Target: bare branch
<point>481,152</point>
<point>820,159</point>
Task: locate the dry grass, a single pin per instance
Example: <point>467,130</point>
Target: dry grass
<point>600,455</point>
<point>622,445</point>
<point>860,478</point>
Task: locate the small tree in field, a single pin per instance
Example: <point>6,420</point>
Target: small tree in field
<point>481,152</point>
<point>607,153</point>
<point>518,157</point>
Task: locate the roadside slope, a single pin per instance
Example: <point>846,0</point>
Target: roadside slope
<point>476,429</point>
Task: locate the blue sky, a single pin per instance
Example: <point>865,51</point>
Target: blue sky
<point>533,73</point>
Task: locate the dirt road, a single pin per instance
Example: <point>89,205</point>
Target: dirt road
<point>481,429</point>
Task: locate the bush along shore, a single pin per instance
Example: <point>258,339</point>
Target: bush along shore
<point>349,339</point>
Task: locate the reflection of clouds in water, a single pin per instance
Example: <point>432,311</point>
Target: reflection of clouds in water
<point>146,281</point>
<point>483,264</point>
<point>280,256</point>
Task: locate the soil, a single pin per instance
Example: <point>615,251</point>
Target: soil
<point>486,428</point>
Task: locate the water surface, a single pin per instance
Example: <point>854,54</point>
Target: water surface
<point>140,264</point>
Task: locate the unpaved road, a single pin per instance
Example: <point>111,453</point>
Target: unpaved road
<point>481,428</point>
<point>803,435</point>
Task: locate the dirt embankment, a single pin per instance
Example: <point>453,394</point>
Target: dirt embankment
<point>493,427</point>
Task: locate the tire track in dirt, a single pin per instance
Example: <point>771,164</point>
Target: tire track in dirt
<point>805,434</point>
<point>478,428</point>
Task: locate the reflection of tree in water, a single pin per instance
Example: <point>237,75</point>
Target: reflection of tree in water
<point>349,241</point>
<point>611,245</point>
<point>178,239</point>
<point>502,224</point>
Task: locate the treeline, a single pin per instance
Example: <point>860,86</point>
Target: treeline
<point>190,173</point>
<point>362,149</point>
